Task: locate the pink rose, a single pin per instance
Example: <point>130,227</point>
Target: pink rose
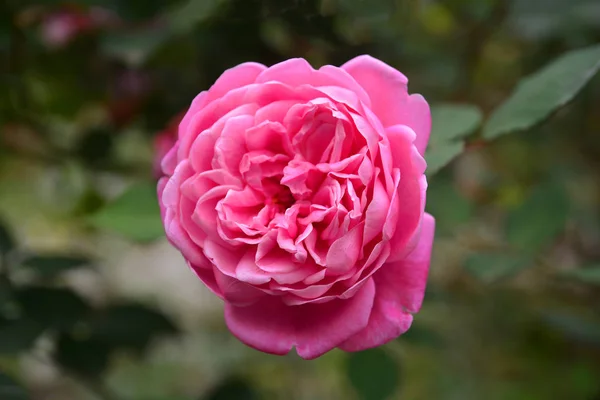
<point>297,196</point>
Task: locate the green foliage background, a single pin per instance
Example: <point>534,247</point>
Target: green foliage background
<point>513,307</point>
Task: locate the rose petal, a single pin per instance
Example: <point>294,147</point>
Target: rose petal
<point>400,288</point>
<point>233,78</point>
<point>387,88</point>
<point>343,253</point>
<point>270,326</point>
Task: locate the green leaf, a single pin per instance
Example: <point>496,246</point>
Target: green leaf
<point>7,242</point>
<point>82,356</point>
<point>52,265</point>
<point>134,47</point>
<point>492,266</point>
<point>449,207</point>
<point>18,335</point>
<point>439,156</point>
<point>589,275</point>
<point>5,292</point>
<point>453,121</point>
<point>10,390</point>
<point>130,326</point>
<point>184,18</point>
<point>135,214</point>
<point>232,389</point>
<point>539,219</point>
<point>450,122</point>
<point>423,336</point>
<point>574,327</point>
<point>52,307</point>
<point>543,92</point>
<point>373,373</point>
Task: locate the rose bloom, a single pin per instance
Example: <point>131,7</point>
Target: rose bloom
<point>297,196</point>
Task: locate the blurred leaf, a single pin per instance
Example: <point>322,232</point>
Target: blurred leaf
<point>232,389</point>
<point>541,93</point>
<point>130,326</point>
<point>52,307</point>
<point>373,373</point>
<point>135,214</point>
<point>10,390</point>
<point>453,121</point>
<point>135,47</point>
<point>5,292</point>
<point>51,265</point>
<point>95,147</point>
<point>590,275</point>
<point>539,219</point>
<point>82,356</point>
<point>184,18</point>
<point>492,266</point>
<point>447,205</point>
<point>424,336</point>
<point>439,156</point>
<point>18,335</point>
<point>576,328</point>
<point>7,242</point>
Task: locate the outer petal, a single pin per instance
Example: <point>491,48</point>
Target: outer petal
<point>298,72</point>
<point>314,329</point>
<point>235,77</point>
<point>417,115</point>
<point>408,201</point>
<point>387,88</point>
<point>400,288</point>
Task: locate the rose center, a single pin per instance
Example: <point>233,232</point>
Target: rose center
<point>283,199</point>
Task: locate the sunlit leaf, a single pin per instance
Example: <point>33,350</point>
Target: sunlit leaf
<point>453,121</point>
<point>11,390</point>
<point>374,374</point>
<point>439,156</point>
<point>539,219</point>
<point>232,389</point>
<point>541,93</point>
<point>589,275</point>
<point>51,265</point>
<point>492,266</point>
<point>134,215</point>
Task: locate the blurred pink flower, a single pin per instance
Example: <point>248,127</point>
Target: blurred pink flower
<point>298,195</point>
<point>62,26</point>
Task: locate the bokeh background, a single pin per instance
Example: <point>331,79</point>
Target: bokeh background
<point>95,304</point>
